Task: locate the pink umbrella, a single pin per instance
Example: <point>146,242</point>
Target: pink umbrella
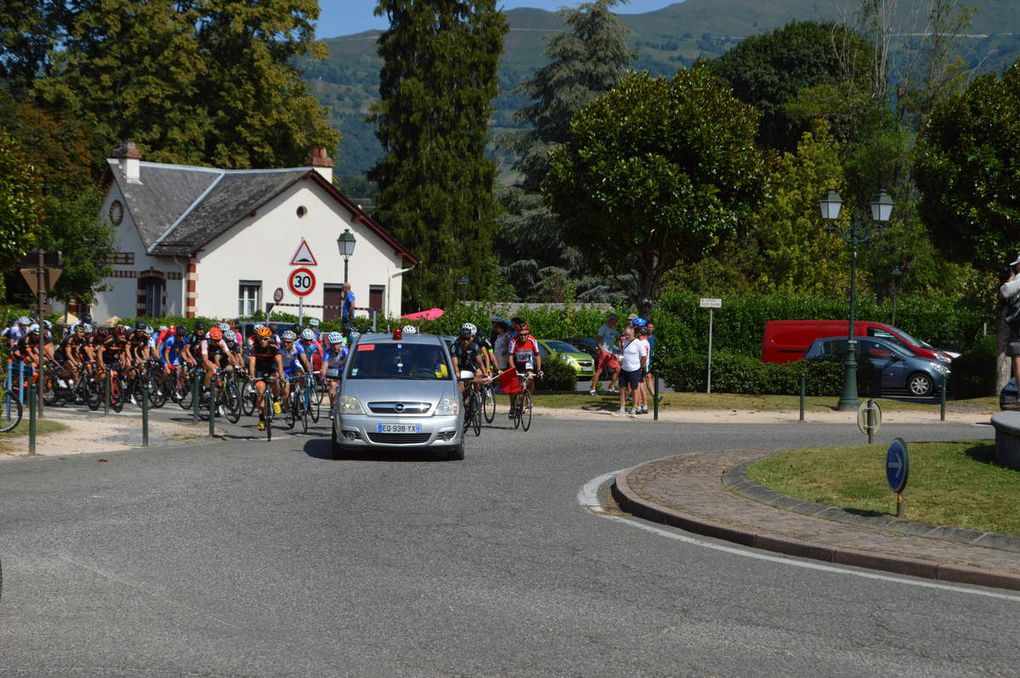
<point>430,314</point>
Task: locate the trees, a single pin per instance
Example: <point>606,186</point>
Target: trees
<point>439,76</point>
<point>656,173</point>
<point>20,204</point>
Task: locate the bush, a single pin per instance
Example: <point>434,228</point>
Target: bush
<point>557,376</point>
<point>974,372</point>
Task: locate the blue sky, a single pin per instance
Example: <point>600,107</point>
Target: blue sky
<point>343,17</point>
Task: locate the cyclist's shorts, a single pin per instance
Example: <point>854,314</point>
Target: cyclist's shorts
<point>293,371</point>
<point>264,374</point>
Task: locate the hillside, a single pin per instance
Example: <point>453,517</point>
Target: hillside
<point>667,39</point>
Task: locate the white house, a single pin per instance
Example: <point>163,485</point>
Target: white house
<point>212,242</point>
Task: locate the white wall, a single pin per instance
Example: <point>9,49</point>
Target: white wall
<point>261,248</point>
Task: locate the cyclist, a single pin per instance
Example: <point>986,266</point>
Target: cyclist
<point>72,351</point>
<point>26,349</point>
<point>193,343</point>
<point>114,348</point>
<point>294,361</point>
<point>525,358</point>
<point>211,349</point>
<point>333,364</point>
<point>16,331</point>
<point>313,325</point>
<point>170,350</point>
<point>265,361</point>
<point>468,354</point>
<point>234,357</point>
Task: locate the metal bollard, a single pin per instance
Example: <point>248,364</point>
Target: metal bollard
<point>145,412</point>
<point>7,389</point>
<point>803,391</point>
<point>212,408</point>
<point>870,419</point>
<point>942,406</point>
<point>106,392</point>
<point>31,420</point>
<point>655,398</point>
<point>21,381</point>
<point>196,395</point>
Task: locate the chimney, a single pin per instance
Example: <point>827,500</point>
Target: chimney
<point>129,158</point>
<point>321,162</point>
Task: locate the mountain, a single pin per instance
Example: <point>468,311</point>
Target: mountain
<point>667,39</point>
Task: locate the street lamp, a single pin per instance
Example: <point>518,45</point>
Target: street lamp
<point>463,283</point>
<point>856,234</point>
<point>345,243</point>
<point>896,275</point>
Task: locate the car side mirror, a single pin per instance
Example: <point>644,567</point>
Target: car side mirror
<point>895,357</point>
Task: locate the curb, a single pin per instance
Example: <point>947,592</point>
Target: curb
<point>632,503</point>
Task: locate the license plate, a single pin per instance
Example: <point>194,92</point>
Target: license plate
<point>398,428</point>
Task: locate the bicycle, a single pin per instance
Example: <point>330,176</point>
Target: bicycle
<point>473,405</point>
<point>520,413</point>
<point>228,395</point>
<point>488,401</point>
<point>268,400</point>
<point>297,412</point>
<point>11,412</point>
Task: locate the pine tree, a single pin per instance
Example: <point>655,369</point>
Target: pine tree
<point>438,79</point>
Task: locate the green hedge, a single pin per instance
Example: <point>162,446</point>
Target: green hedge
<point>974,372</point>
<point>557,376</point>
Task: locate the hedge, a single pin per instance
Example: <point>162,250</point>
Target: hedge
<point>557,376</point>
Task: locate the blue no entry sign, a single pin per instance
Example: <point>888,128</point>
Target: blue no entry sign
<point>897,465</point>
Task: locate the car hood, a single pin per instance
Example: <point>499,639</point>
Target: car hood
<point>399,390</point>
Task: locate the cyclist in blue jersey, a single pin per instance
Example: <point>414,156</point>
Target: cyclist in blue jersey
<point>294,360</point>
<point>333,360</point>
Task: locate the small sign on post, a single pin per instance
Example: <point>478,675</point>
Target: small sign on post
<point>897,469</point>
<point>711,305</point>
<point>869,418</point>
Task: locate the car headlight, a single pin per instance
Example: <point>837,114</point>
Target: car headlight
<point>350,405</point>
<point>447,407</point>
<point>941,368</point>
<point>570,361</point>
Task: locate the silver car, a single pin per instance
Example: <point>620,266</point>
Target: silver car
<point>398,392</point>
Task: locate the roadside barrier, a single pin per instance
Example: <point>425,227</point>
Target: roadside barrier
<point>32,424</point>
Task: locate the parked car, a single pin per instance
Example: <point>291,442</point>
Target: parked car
<point>786,340</point>
<point>586,344</point>
<point>896,370</point>
<point>554,349</point>
<point>398,393</point>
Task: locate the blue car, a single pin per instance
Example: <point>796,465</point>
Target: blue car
<point>897,371</point>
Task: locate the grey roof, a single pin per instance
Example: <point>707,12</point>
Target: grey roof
<point>164,194</point>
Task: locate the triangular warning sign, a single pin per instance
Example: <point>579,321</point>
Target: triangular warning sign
<point>304,256</point>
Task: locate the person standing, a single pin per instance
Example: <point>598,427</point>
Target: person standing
<point>607,360</point>
<point>649,376</point>
<point>1009,293</point>
<point>347,308</point>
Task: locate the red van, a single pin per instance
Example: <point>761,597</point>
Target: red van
<point>785,341</point>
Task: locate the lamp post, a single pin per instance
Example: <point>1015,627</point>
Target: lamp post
<point>858,233</point>
<point>896,275</point>
<point>463,283</point>
<point>345,243</point>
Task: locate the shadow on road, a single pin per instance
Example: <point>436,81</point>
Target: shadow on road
<point>321,449</point>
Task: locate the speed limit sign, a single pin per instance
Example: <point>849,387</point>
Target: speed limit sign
<point>301,282</point>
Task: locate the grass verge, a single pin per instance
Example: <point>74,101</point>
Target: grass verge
<point>954,483</point>
<point>43,427</point>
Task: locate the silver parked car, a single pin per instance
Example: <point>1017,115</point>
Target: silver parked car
<point>398,392</point>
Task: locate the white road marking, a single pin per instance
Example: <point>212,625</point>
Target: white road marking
<point>588,498</point>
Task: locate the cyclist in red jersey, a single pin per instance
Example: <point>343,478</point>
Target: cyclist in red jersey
<point>525,358</point>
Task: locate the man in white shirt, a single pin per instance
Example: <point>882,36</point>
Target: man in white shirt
<point>1010,295</point>
<point>632,367</point>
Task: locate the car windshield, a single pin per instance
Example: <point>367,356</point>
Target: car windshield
<point>907,338</point>
<point>398,361</point>
<point>561,347</point>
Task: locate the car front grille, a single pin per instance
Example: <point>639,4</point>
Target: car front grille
<point>585,363</point>
<point>396,407</point>
<point>399,438</point>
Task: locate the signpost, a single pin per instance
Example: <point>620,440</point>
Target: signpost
<point>41,271</point>
<point>897,467</point>
<point>711,305</point>
<point>869,418</point>
<point>301,283</point>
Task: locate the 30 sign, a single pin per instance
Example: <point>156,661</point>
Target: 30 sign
<point>301,282</point>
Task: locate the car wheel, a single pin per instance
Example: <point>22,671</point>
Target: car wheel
<point>920,384</point>
<point>455,453</point>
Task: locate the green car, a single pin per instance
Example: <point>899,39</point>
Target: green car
<point>561,350</point>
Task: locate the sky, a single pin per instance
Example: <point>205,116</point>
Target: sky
<point>343,17</point>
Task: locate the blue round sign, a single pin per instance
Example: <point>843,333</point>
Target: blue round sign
<point>897,465</point>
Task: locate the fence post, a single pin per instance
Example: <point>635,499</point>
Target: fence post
<point>7,389</point>
<point>31,420</point>
<point>21,381</point>
<point>655,397</point>
<point>942,406</point>
<point>145,412</point>
<point>196,395</point>
<point>803,391</point>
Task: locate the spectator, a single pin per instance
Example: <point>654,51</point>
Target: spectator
<point>347,308</point>
<point>632,365</point>
<point>1009,293</point>
<point>607,359</point>
<point>649,376</point>
<point>501,344</point>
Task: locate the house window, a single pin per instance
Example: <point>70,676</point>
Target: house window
<point>153,298</point>
<point>332,298</point>
<point>121,258</point>
<point>249,293</point>
<point>375,297</point>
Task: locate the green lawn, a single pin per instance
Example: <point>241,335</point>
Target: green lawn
<point>953,483</point>
<point>764,403</point>
<point>43,427</point>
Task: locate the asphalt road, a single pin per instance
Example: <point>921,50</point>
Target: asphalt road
<point>248,558</point>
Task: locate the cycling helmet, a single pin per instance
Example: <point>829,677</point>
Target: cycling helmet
<point>148,330</point>
<point>258,326</point>
<point>465,333</point>
<point>77,328</point>
<point>335,338</point>
<point>119,329</point>
<point>296,328</point>
<point>407,329</point>
<point>199,327</point>
<point>24,320</point>
<point>470,327</point>
<point>223,326</point>
<point>263,331</point>
<point>496,320</point>
<point>87,328</point>
<point>639,322</point>
<point>525,328</point>
<point>215,333</point>
<point>229,335</point>
<point>140,325</point>
<point>33,329</point>
<point>314,322</point>
<point>47,324</point>
<point>288,336</point>
<point>86,318</point>
<point>163,328</point>
<point>308,335</point>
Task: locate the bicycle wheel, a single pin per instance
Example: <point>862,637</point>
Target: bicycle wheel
<point>93,393</point>
<point>526,410</point>
<point>249,398</point>
<point>186,395</point>
<point>289,410</point>
<point>10,412</point>
<point>320,390</point>
<point>488,403</point>
<point>117,390</point>
<point>316,404</point>
<point>267,412</point>
<point>516,411</point>
<point>476,414</point>
<point>300,411</point>
<point>232,401</point>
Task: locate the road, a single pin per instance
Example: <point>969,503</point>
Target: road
<point>249,558</point>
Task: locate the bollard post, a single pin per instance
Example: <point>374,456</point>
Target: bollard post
<point>21,381</point>
<point>870,419</point>
<point>7,389</point>
<point>655,398</point>
<point>145,412</point>
<point>196,395</point>
<point>942,406</point>
<point>31,420</point>
<point>803,390</point>
<point>212,408</point>
<point>106,392</point>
